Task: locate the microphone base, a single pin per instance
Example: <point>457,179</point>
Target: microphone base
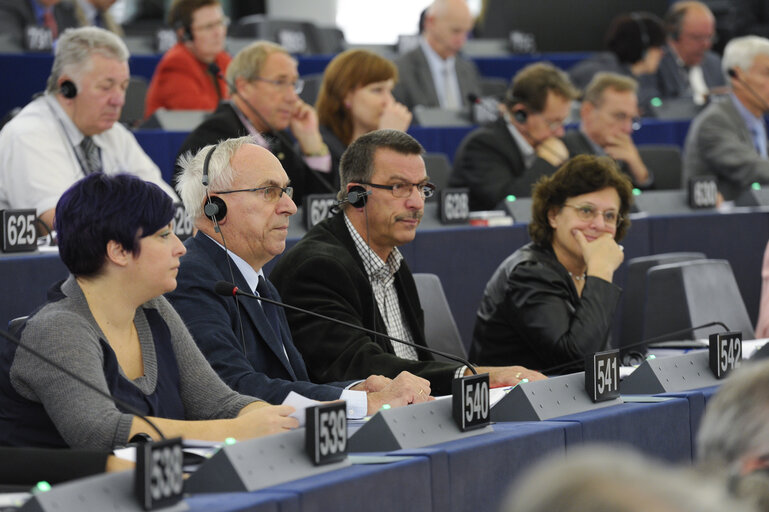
<point>545,399</point>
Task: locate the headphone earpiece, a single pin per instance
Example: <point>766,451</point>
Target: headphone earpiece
<point>215,208</point>
<point>357,196</point>
<point>68,89</point>
<point>186,32</point>
<point>520,115</point>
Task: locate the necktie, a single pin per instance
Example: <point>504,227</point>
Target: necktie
<point>50,23</point>
<point>270,310</point>
<point>759,142</point>
<point>449,92</point>
<point>92,161</point>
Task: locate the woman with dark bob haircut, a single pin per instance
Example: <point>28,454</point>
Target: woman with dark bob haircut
<point>355,97</point>
<point>552,301</point>
<point>109,323</point>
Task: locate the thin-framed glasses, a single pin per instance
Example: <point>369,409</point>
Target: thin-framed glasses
<point>223,22</point>
<point>403,190</point>
<point>297,85</point>
<point>588,212</point>
<point>270,193</point>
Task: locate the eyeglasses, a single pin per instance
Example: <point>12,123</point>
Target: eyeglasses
<point>554,125</point>
<point>403,190</point>
<point>297,86</point>
<point>271,193</point>
<point>622,118</point>
<point>587,213</point>
<point>224,22</point>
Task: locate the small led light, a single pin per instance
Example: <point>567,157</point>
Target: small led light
<point>230,440</point>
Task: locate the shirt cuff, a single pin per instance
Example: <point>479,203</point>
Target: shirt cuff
<point>357,403</point>
<point>319,163</point>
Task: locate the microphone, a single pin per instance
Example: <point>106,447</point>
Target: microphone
<point>214,70</point>
<point>733,73</point>
<point>474,99</point>
<point>230,290</point>
<point>661,337</point>
<point>128,407</point>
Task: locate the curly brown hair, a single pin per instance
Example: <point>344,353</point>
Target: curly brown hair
<point>580,175</point>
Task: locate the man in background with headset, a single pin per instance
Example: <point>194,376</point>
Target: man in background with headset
<point>348,267</point>
<point>183,79</point>
<point>509,155</point>
<point>73,129</point>
<point>246,208</point>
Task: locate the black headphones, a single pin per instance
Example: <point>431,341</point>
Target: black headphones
<point>673,20</point>
<point>186,31</point>
<point>68,89</point>
<point>214,208</point>
<point>357,196</point>
<point>520,114</point>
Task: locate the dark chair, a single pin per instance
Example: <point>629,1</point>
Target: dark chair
<point>634,292</point>
<point>311,88</point>
<point>135,96</point>
<point>664,161</point>
<point>331,40</point>
<point>298,37</point>
<point>690,293</point>
<point>441,331</point>
<point>438,169</point>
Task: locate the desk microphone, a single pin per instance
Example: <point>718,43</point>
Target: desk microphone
<point>661,337</point>
<point>474,99</point>
<point>128,407</point>
<point>214,70</point>
<point>230,290</point>
<point>733,73</point>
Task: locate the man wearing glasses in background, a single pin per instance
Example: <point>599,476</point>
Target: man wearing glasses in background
<point>265,100</point>
<point>608,116</point>
<point>183,79</point>
<point>349,267</point>
<point>509,155</point>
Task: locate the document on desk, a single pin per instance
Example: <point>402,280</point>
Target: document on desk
<point>300,403</point>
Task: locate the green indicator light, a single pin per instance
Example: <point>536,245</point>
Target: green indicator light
<point>42,486</point>
<point>230,440</point>
<point>636,192</point>
<point>385,407</point>
<point>510,198</point>
<point>755,186</point>
<point>651,356</point>
<point>656,102</point>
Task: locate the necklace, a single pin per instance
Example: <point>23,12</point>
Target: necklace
<point>578,278</point>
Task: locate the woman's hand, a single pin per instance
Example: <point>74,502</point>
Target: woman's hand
<point>396,117</point>
<point>602,256</point>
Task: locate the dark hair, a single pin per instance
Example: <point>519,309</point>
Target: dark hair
<point>531,85</point>
<point>357,163</point>
<point>580,175</point>
<point>100,208</point>
<point>345,73</point>
<point>181,11</point>
<point>630,35</point>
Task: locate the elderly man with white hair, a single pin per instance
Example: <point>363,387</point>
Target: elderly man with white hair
<point>728,139</point>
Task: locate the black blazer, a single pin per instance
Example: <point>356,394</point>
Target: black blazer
<point>324,273</point>
<point>264,371</point>
<point>224,124</point>
<point>490,164</point>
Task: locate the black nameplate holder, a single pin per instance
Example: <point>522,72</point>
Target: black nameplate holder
<point>415,426</point>
<point>318,207</point>
<point>725,353</point>
<point>549,398</point>
<point>702,192</point>
<point>183,225</point>
<point>258,463</point>
<point>470,402</point>
<point>454,205</point>
<point>602,375</point>
<point>326,433</point>
<point>159,473</point>
<point>18,230</point>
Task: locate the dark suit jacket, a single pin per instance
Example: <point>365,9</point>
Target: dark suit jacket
<point>224,123</point>
<point>325,274</point>
<point>491,165</point>
<point>578,144</point>
<point>215,325</point>
<point>673,81</point>
<point>415,82</point>
<point>17,15</point>
<point>720,144</point>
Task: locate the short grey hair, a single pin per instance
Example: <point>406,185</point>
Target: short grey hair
<point>736,420</point>
<point>249,61</point>
<point>740,52</point>
<point>75,47</point>
<point>220,173</point>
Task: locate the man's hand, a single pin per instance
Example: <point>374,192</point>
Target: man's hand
<point>552,150</point>
<point>507,375</point>
<point>404,389</point>
<point>602,256</point>
<point>621,147</point>
<point>372,384</point>
<point>304,126</point>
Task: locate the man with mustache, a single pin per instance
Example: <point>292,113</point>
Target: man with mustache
<point>247,342</point>
<point>349,267</point>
